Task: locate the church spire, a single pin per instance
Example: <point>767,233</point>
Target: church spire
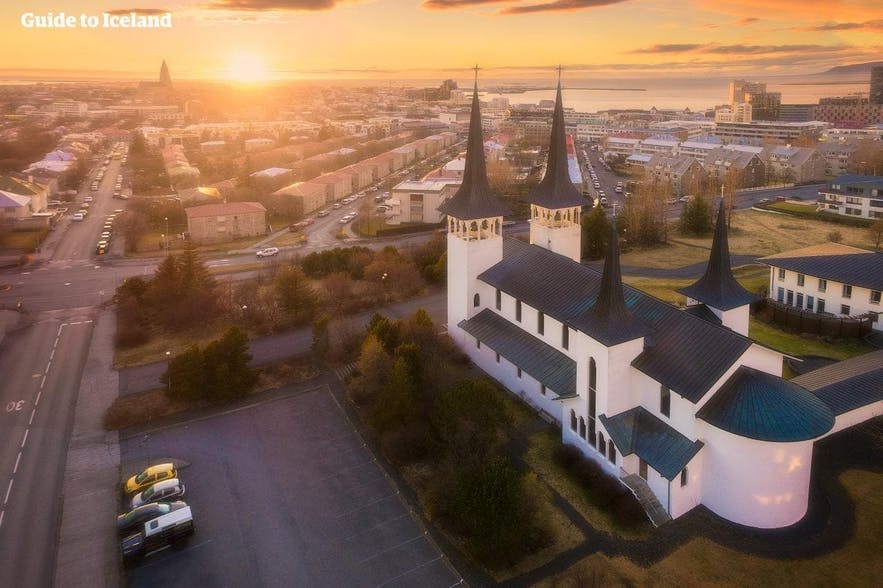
<point>717,288</point>
<point>556,190</point>
<point>165,79</point>
<point>474,199</point>
<point>609,320</point>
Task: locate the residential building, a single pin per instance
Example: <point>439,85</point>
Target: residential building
<point>797,112</point>
<point>745,167</point>
<point>830,279</point>
<point>679,405</point>
<point>736,113</point>
<point>836,156</point>
<point>759,130</point>
<point>213,223</point>
<point>682,173</point>
<point>300,199</point>
<point>853,195</point>
<point>854,111</point>
<point>38,194</point>
<point>69,108</point>
<point>417,201</point>
<point>794,164</point>
<point>13,207</point>
<point>876,93</point>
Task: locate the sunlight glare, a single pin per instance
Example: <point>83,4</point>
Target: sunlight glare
<point>248,68</point>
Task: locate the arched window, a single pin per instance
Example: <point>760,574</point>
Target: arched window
<point>476,300</point>
<point>572,420</point>
<point>602,445</point>
<point>593,374</point>
<point>611,452</point>
<point>582,427</point>
<point>484,225</point>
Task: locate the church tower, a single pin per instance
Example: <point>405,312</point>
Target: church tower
<point>165,79</point>
<point>475,226</point>
<point>555,204</point>
<point>717,290</point>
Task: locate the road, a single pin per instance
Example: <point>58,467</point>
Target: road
<point>41,368</point>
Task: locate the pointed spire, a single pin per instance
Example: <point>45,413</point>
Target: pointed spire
<point>717,288</point>
<point>165,78</point>
<point>474,199</point>
<point>556,190</point>
<point>609,320</point>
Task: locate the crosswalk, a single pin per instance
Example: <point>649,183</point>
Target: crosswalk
<point>345,371</point>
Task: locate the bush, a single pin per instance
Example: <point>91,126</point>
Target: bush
<point>628,512</point>
<point>407,444</point>
<point>130,335</point>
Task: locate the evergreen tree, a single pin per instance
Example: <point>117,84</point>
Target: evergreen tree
<point>295,294</point>
<point>396,403</point>
<point>321,338</point>
<point>595,228</point>
<point>227,374</point>
<point>184,379</point>
<point>696,217</point>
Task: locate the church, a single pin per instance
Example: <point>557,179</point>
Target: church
<point>678,404</point>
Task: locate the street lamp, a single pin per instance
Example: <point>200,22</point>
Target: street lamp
<point>169,369</point>
<point>167,231</point>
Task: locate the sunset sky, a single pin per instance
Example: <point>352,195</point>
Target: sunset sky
<point>213,39</point>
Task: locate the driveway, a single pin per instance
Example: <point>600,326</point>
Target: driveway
<point>286,493</point>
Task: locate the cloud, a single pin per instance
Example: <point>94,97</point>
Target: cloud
<point>747,21</point>
<point>559,6</point>
<point>139,11</point>
<point>669,48</point>
<point>272,5</point>
<point>713,49</point>
<point>458,4</point>
<point>868,25</point>
<point>711,25</point>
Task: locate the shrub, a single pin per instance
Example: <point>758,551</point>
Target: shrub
<point>130,335</point>
<point>406,444</point>
<point>627,511</point>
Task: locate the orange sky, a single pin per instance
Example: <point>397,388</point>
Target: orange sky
<point>434,38</point>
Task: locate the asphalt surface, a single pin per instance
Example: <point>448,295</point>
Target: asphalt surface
<point>286,493</point>
<point>41,368</point>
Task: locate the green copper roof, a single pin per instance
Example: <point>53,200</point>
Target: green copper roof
<point>765,407</point>
<point>640,432</point>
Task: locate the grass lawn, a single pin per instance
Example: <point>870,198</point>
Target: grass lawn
<point>539,456</point>
<point>752,277</point>
<point>751,233</point>
<point>369,226</point>
<point>288,238</point>
<point>150,245</point>
<point>793,344</point>
<point>155,349</point>
<point>793,207</point>
<point>702,562</point>
<point>26,241</point>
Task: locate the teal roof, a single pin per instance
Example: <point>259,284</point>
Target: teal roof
<point>849,384</point>
<point>543,362</point>
<point>640,432</point>
<point>765,407</point>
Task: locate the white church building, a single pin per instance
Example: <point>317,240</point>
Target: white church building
<point>680,402</point>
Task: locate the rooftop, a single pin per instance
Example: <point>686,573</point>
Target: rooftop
<point>835,262</point>
<point>848,384</point>
<point>224,209</point>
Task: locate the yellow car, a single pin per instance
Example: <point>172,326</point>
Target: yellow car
<point>150,476</point>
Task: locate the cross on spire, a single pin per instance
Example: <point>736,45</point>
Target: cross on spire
<point>559,74</point>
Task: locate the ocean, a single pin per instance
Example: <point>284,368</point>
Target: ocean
<point>697,94</point>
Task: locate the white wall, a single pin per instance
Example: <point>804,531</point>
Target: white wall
<point>856,416</point>
<point>859,302</point>
<point>684,499</point>
<point>565,241</point>
<point>755,483</point>
<point>467,259</point>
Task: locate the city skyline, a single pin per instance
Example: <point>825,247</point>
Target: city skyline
<point>267,40</point>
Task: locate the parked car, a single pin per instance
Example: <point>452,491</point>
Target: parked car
<point>150,476</point>
<point>169,529</point>
<point>686,198</point>
<point>159,492</point>
<point>138,516</point>
<point>77,216</point>
<point>324,213</point>
<point>88,199</point>
<point>268,252</point>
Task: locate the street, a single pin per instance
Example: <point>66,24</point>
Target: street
<point>41,368</point>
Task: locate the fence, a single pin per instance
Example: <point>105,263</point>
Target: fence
<point>806,321</point>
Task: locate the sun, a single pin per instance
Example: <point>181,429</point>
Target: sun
<point>248,69</point>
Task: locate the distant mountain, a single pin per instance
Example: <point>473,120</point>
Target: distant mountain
<point>856,68</point>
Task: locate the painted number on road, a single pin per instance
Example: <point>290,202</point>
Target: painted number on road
<point>15,405</point>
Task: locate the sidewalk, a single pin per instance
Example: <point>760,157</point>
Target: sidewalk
<point>87,542</point>
<point>284,345</point>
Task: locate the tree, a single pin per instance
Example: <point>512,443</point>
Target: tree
<point>396,404</point>
<point>374,366</point>
<point>295,294</point>
<point>184,379</point>
<point>339,290</point>
<point>227,374</point>
<point>876,231</point>
<point>386,331</point>
<point>696,217</point>
<point>595,229</point>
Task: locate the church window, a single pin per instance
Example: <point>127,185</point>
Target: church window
<point>593,374</point>
<point>611,452</point>
<point>602,445</point>
<point>518,310</point>
<point>478,343</point>
<point>683,477</point>
<point>572,420</point>
<point>498,358</point>
<point>665,400</point>
<point>565,337</point>
<point>541,323</point>
<point>499,299</point>
<point>476,300</point>
<point>591,437</point>
<point>543,389</point>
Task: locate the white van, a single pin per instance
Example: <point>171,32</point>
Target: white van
<point>158,534</point>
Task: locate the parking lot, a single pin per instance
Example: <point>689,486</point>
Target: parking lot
<point>285,493</point>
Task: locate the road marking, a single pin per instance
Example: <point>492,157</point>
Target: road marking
<point>17,459</point>
<point>1,517</point>
<point>52,355</point>
<point>8,490</point>
<point>39,393</point>
<point>24,438</point>
<point>388,549</point>
<point>43,382</point>
<point>33,412</point>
